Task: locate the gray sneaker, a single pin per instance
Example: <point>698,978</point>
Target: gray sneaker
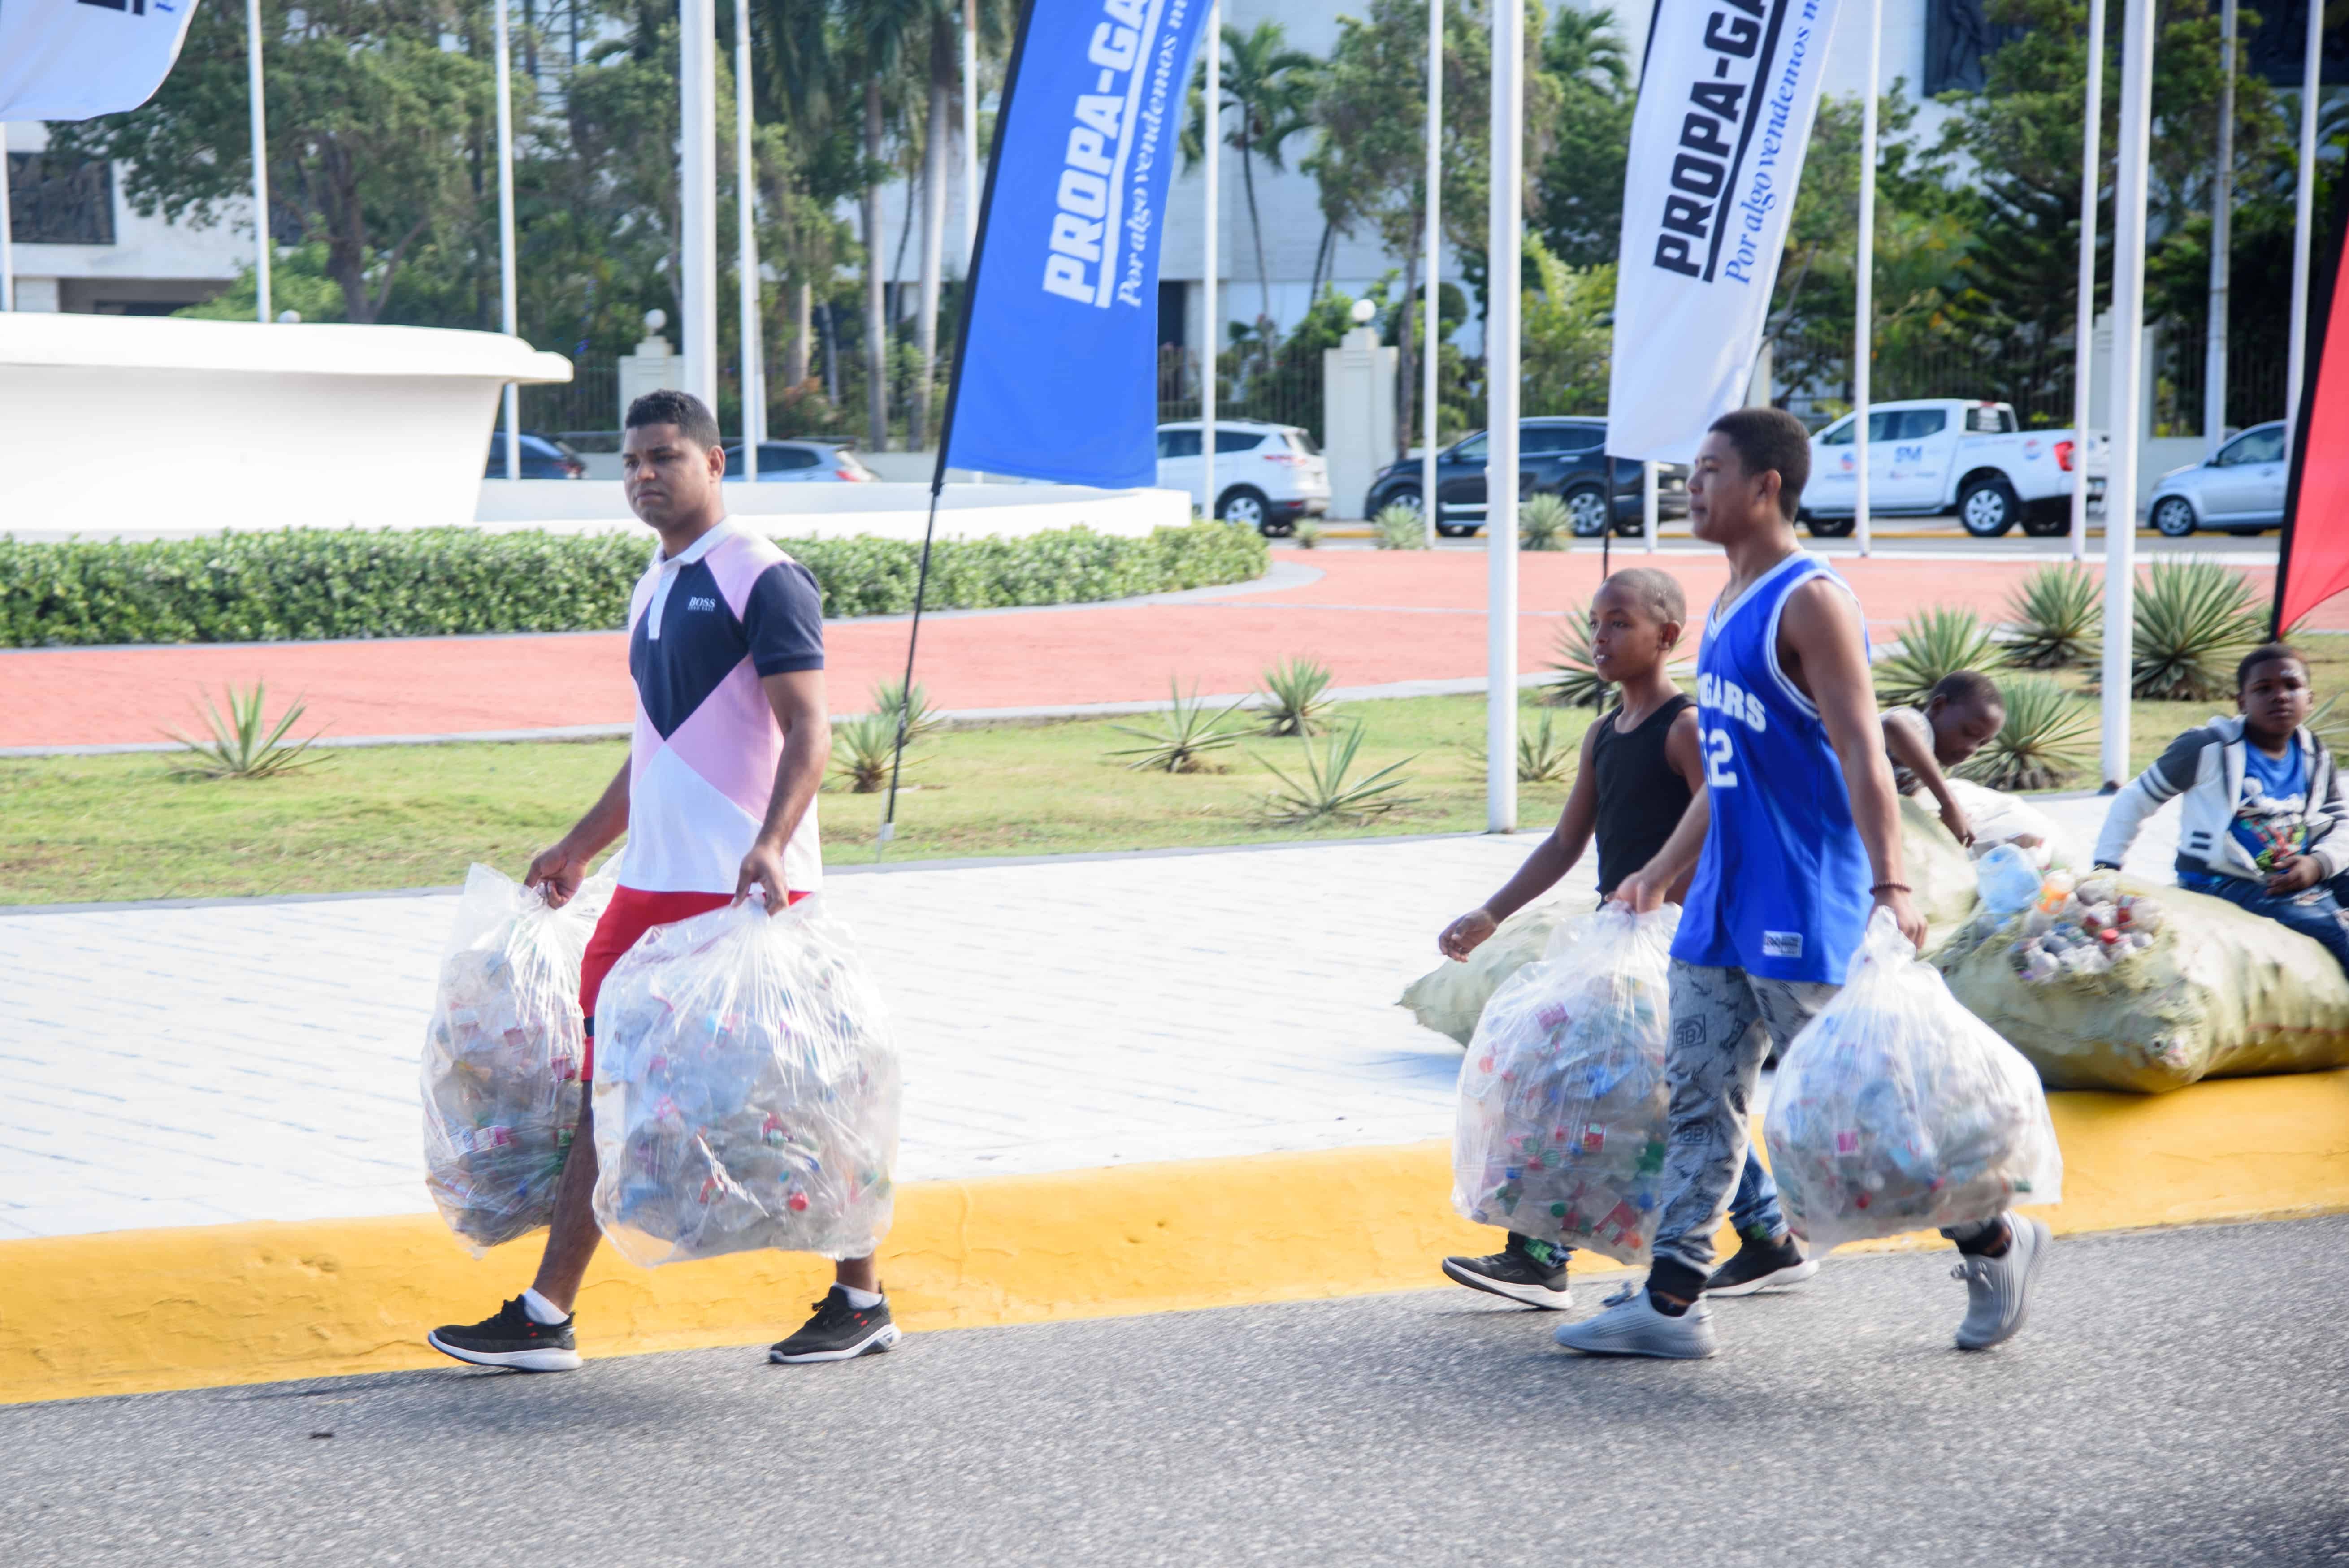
<point>1998,1290</point>
<point>1632,1326</point>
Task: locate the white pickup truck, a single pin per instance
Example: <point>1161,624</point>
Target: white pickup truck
<point>1928,455</point>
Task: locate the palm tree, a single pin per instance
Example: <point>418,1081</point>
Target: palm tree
<point>876,33</point>
<point>1268,88</point>
<point>942,28</point>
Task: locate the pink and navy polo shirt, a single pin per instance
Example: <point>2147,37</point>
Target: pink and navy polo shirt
<point>703,627</point>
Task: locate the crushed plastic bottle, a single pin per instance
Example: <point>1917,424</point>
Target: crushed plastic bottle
<point>2008,882</point>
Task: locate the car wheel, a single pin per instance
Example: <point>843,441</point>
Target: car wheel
<point>1632,527</point>
<point>1244,507</point>
<point>1406,497</point>
<point>1586,511</point>
<point>1988,508</point>
<point>2173,517</point>
<point>1456,530</point>
<point>2047,519</point>
<point>1829,527</point>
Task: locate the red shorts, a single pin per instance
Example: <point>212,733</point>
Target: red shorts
<point>628,916</point>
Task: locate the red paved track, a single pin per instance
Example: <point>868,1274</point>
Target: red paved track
<point>1373,618</point>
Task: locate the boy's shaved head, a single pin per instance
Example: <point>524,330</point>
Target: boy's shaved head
<point>1656,594</point>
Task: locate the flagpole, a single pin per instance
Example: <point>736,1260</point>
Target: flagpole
<point>1502,287</point>
<point>7,235</point>
<point>2222,221</point>
<point>754,358</point>
<point>506,233</point>
<point>2084,330</point>
<point>1209,328</point>
<point>697,195</point>
<point>1428,380</point>
<point>260,163</point>
<point>2128,410</point>
<point>2303,223</point>
<point>970,140</point>
<point>1864,303</point>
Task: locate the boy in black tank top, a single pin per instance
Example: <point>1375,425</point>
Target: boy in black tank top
<point>1641,765</point>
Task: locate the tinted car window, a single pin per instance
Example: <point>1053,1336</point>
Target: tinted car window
<point>1302,444</point>
<point>776,459</point>
<point>1989,421</point>
<point>1916,424</point>
<point>1178,443</point>
<point>1546,438</point>
<point>1236,441</point>
<point>2255,446</point>
<point>1839,433</point>
<point>1471,451</point>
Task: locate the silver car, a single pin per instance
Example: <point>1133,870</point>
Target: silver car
<point>2240,488</point>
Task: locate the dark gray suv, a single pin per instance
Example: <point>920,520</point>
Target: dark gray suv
<point>1556,455</point>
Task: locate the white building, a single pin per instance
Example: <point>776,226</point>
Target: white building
<point>80,247</point>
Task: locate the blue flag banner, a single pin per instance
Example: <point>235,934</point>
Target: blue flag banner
<point>1056,377</point>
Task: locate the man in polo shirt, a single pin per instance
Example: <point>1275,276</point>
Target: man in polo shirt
<point>717,795</point>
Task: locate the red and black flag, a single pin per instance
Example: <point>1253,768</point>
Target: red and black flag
<point>2314,562</point>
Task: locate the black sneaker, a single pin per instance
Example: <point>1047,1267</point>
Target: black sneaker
<point>1762,1264</point>
<point>512,1338</point>
<point>1517,1272</point>
<point>839,1332</point>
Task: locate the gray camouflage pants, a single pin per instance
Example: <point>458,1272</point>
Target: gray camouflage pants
<point>1724,1022</point>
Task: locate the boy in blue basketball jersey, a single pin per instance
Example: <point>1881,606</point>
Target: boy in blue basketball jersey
<point>1796,841</point>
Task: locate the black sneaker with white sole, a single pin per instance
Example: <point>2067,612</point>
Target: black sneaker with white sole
<point>512,1338</point>
<point>1761,1263</point>
<point>1524,1271</point>
<point>839,1332</point>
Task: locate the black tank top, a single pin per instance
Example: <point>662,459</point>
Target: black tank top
<point>1641,797</point>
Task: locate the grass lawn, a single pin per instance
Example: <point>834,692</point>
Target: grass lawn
<point>101,828</point>
<point>86,829</point>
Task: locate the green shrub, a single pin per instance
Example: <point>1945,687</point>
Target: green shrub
<point>2043,743</point>
<point>2194,620</point>
<point>301,583</point>
<point>1399,528</point>
<point>1544,524</point>
<point>1933,642</point>
<point>2058,618</point>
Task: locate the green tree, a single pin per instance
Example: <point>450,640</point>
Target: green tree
<point>1567,334</point>
<point>1581,200</point>
<point>370,120</point>
<point>1267,89</point>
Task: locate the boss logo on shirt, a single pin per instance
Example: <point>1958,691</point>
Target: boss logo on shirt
<point>698,603</point>
<point>1781,945</point>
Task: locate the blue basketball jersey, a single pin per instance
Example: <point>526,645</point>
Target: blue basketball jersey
<point>1781,888</point>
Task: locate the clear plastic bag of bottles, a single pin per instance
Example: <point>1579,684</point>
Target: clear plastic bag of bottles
<point>746,1092</point>
<point>501,1056</point>
<point>1560,1132</point>
<point>1897,1109</point>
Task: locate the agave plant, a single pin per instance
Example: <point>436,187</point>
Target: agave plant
<point>2058,617</point>
<point>1933,642</point>
<point>2194,620</point>
<point>1295,698</point>
<point>1186,732</point>
<point>1544,756</point>
<point>863,751</point>
<point>1544,524</point>
<point>889,698</point>
<point>1306,535</point>
<point>2041,744</point>
<point>1399,528</point>
<point>1329,791</point>
<point>243,744</point>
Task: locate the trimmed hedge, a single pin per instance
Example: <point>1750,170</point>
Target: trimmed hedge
<point>305,583</point>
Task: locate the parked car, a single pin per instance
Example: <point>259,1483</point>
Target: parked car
<point>1560,456</point>
<point>1929,455</point>
<point>801,462</point>
<point>2239,488</point>
<point>1267,476</point>
<point>542,458</point>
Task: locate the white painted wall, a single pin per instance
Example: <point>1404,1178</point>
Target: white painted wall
<point>194,261</point>
<point>130,425</point>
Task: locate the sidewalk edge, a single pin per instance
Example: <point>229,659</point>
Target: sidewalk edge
<point>142,1311</point>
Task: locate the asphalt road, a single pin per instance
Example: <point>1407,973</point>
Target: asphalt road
<point>1898,536</point>
<point>2180,1397</point>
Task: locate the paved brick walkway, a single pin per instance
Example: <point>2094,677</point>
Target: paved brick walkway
<point>1374,618</point>
<point>257,1060</point>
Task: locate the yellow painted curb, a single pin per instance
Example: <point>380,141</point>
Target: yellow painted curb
<point>137,1311</point>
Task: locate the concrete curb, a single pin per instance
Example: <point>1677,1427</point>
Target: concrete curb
<point>139,1311</point>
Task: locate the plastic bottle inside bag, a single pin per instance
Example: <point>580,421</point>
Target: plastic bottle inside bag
<point>2007,879</point>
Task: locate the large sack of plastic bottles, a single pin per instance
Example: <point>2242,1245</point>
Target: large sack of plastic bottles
<point>746,1090</point>
<point>1560,1129</point>
<point>1997,818</point>
<point>2107,982</point>
<point>1940,873</point>
<point>1897,1109</point>
<point>501,1057</point>
<point>1450,997</point>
